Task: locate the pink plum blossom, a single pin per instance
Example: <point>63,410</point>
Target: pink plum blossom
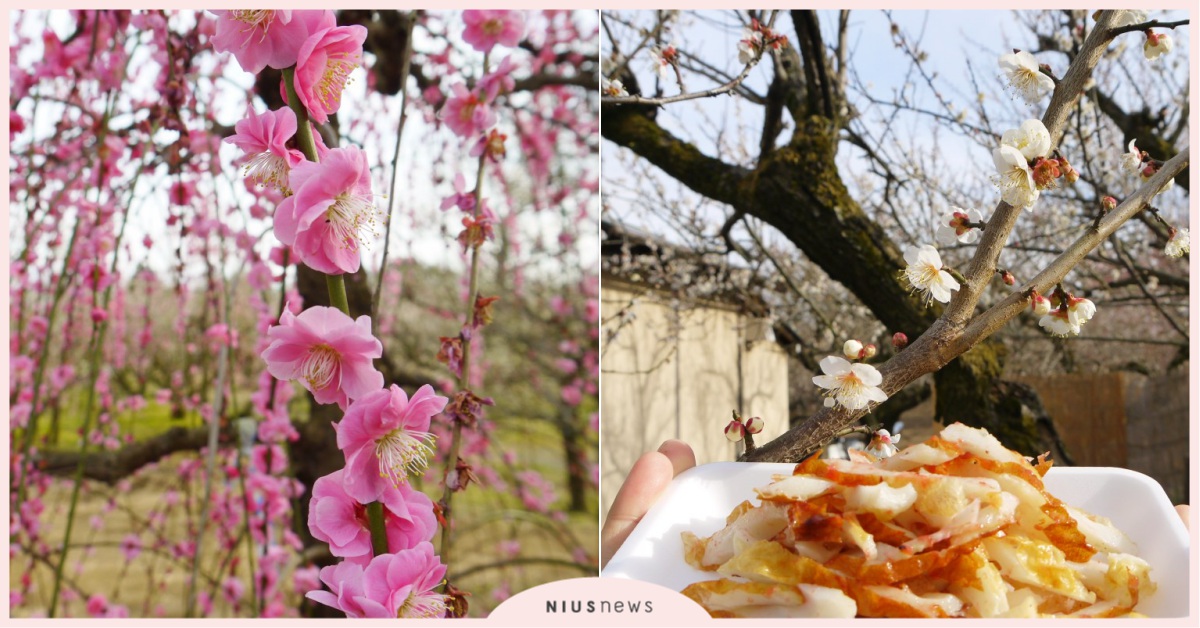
<point>97,604</point>
<point>263,138</point>
<point>572,395</point>
<point>385,437</point>
<point>404,582</point>
<point>323,66</point>
<point>345,582</point>
<point>328,352</point>
<point>486,28</point>
<point>338,519</point>
<point>535,491</point>
<point>462,198</point>
<point>131,547</point>
<point>262,38</point>
<point>232,590</point>
<point>305,579</point>
<point>466,113</point>
<point>276,429</point>
<point>498,81</point>
<point>332,209</point>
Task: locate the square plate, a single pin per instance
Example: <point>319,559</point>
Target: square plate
<point>700,499</point>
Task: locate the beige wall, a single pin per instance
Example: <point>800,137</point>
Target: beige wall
<point>674,374</point>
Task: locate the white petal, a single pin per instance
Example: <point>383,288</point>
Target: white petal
<point>1045,83</point>
<point>827,381</point>
<point>1009,62</point>
<point>912,255</point>
<point>947,236</point>
<point>939,293</point>
<point>947,281</point>
<point>833,365</point>
<point>1006,157</point>
<point>852,402</point>
<point>929,255</point>
<point>877,395</point>
<point>868,374</point>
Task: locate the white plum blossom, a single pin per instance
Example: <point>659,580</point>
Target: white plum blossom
<point>1058,323</point>
<point>749,46</point>
<point>953,226</point>
<point>1131,160</point>
<point>854,386</point>
<point>1014,177</point>
<point>1157,45</point>
<point>1032,138</point>
<point>852,349</point>
<point>1080,310</point>
<point>662,61</point>
<point>924,273</point>
<point>1021,69</point>
<point>1129,17</point>
<point>612,88</point>
<point>883,444</point>
<point>1178,245</point>
<point>1068,322</point>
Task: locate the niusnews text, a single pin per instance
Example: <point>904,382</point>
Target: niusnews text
<point>602,606</point>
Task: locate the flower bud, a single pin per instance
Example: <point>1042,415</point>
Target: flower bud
<point>1157,44</point>
<point>1041,305</point>
<point>1071,175</point>
<point>867,352</point>
<point>1149,171</point>
<point>754,425</point>
<point>1007,278</point>
<point>899,340</point>
<point>99,315</point>
<point>735,431</point>
<point>852,349</point>
<point>1108,203</point>
<point>1177,244</point>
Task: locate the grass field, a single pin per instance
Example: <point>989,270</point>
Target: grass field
<point>500,548</point>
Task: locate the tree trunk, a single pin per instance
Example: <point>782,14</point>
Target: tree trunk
<point>798,190</point>
<point>577,480</point>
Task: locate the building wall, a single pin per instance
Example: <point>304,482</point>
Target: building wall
<point>678,373</point>
<point>1124,420</point>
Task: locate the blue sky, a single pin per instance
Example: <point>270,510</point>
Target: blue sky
<point>952,40</point>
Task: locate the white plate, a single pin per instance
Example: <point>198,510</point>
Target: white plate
<point>700,499</point>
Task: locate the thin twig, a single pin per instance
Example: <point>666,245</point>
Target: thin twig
<point>405,67</point>
<point>1123,255</point>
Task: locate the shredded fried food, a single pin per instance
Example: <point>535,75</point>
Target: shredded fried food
<point>958,526</point>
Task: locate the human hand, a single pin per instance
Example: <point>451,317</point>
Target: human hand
<point>647,479</point>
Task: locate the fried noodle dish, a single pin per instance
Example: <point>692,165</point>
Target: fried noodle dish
<point>958,526</point>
